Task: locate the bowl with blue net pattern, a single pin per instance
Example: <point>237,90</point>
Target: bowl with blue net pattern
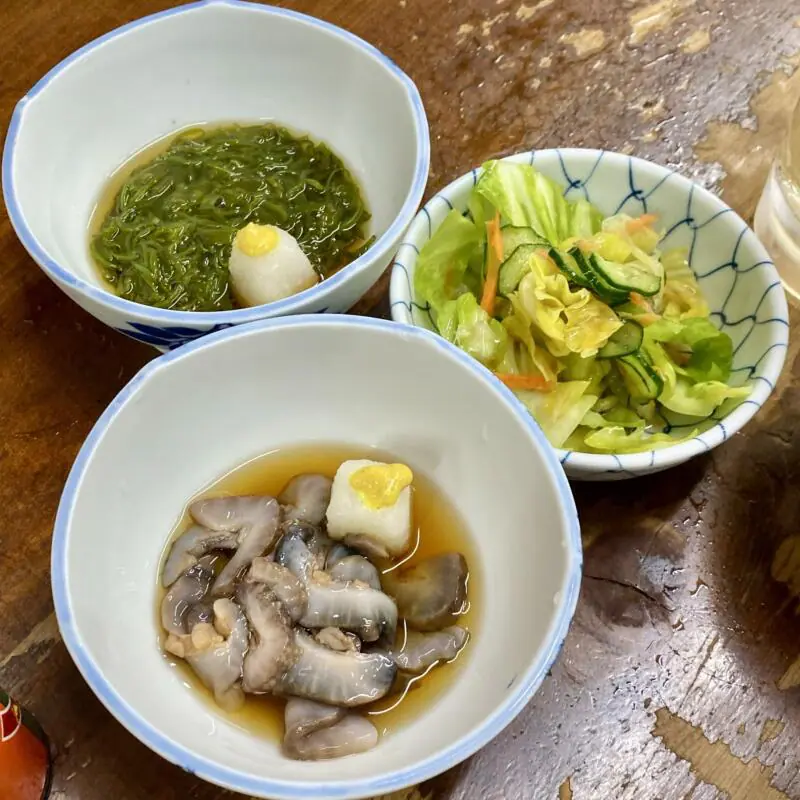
<point>734,273</point>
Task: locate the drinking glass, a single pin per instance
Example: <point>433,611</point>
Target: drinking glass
<point>777,219</point>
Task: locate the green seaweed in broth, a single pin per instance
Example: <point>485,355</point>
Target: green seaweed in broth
<point>163,238</point>
<point>439,528</point>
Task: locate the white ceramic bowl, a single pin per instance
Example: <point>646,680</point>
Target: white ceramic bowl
<point>734,271</point>
<point>209,61</point>
<point>252,389</point>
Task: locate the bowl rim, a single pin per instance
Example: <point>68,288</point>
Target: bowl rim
<point>624,464</point>
<point>382,247</point>
<point>564,604</point>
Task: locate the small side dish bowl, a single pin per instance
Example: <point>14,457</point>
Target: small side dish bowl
<point>734,272</point>
<point>251,391</point>
<point>214,61</point>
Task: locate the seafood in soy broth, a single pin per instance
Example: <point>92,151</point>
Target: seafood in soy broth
<point>320,595</point>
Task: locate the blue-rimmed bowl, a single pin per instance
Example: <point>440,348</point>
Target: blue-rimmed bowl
<point>205,408</point>
<point>734,271</point>
<point>221,60</point>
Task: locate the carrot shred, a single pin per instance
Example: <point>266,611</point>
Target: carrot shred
<point>645,221</point>
<point>493,267</point>
<point>650,316</point>
<point>535,383</point>
<point>638,300</point>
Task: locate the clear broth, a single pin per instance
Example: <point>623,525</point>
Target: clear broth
<point>439,528</point>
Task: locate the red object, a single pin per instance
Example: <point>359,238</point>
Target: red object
<point>25,767</point>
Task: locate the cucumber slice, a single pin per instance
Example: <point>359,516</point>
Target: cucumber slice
<point>570,267</point>
<point>628,277</point>
<point>641,380</point>
<point>515,267</point>
<point>513,236</point>
<point>627,340</point>
<point>597,283</point>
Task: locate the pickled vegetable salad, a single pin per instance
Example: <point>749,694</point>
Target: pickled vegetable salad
<point>602,336</point>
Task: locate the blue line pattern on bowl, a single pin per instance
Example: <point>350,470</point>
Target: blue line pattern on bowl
<point>167,338</point>
<point>519,695</point>
<point>170,337</point>
<point>733,269</point>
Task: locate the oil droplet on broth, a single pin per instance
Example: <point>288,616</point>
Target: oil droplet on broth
<point>439,528</point>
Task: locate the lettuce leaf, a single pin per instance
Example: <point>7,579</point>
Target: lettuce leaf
<point>626,417</point>
<point>707,352</point>
<point>476,333</point>
<point>644,238</point>
<point>585,220</point>
<point>481,211</point>
<point>543,310</point>
<point>681,297</point>
<point>447,320</point>
<point>560,411</point>
<point>663,364</point>
<point>641,241</point>
<point>613,418</point>
<point>618,440</point>
<point>524,197</point>
<point>700,399</point>
<point>439,275</point>
<point>612,247</point>
<point>589,326</point>
<point>568,321</point>
<point>518,326</point>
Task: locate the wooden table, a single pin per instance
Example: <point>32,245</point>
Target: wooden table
<point>679,676</point>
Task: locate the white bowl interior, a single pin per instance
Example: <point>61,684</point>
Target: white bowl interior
<point>373,385</point>
<point>209,63</point>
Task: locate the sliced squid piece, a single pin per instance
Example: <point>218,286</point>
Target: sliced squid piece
<point>189,589</point>
<point>423,650</point>
<point>356,568</point>
<point>192,545</point>
<point>253,519</point>
<point>315,731</point>
<point>272,649</point>
<point>368,546</point>
<point>337,552</point>
<point>336,678</point>
<point>302,549</point>
<point>217,660</point>
<point>305,498</point>
<point>431,594</point>
<point>353,606</point>
<point>319,545</point>
<point>286,586</point>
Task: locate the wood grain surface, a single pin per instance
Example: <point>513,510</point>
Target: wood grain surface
<point>680,676</point>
